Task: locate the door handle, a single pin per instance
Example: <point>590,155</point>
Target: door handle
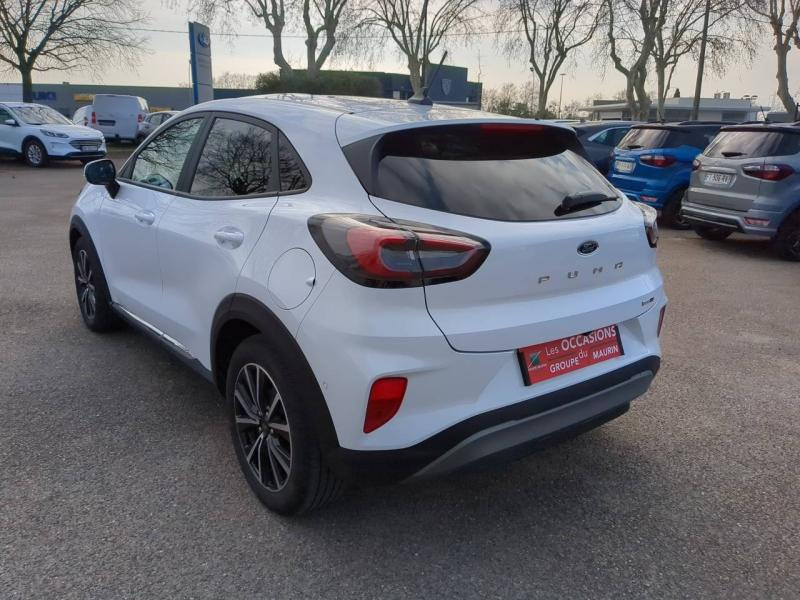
<point>145,217</point>
<point>229,237</point>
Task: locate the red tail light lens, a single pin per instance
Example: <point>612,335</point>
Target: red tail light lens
<point>768,172</point>
<point>140,118</point>
<point>377,252</point>
<point>385,399</point>
<point>657,160</point>
<point>94,118</point>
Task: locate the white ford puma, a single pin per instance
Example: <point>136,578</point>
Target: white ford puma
<point>381,290</point>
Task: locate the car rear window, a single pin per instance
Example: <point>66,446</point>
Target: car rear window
<point>504,172</point>
<point>753,144</point>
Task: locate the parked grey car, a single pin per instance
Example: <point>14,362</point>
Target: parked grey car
<point>748,180</point>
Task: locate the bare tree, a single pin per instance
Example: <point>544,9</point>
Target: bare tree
<point>237,81</point>
<point>327,24</point>
<point>728,36</point>
<point>418,28</point>
<point>553,30</point>
<point>782,17</point>
<point>61,35</point>
<point>631,36</point>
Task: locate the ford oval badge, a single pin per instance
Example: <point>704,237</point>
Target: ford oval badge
<point>587,247</point>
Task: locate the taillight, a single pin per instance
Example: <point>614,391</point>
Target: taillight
<point>377,252</point>
<point>140,118</point>
<point>385,398</point>
<point>695,164</point>
<point>768,172</point>
<point>661,319</point>
<point>650,216</point>
<point>94,118</point>
<point>657,160</point>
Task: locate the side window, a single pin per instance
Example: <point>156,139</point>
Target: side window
<point>161,161</point>
<point>292,174</point>
<point>602,138</point>
<point>236,161</point>
<point>4,115</point>
<point>617,135</point>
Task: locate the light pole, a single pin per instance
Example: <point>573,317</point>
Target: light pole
<point>533,87</point>
<point>561,95</point>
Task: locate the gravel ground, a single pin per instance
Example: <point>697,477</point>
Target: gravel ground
<point>118,478</point>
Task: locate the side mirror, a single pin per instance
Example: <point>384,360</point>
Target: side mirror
<point>102,172</point>
<point>11,122</point>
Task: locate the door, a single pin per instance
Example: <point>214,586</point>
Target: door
<point>8,137</point>
<point>206,236</point>
<point>128,222</point>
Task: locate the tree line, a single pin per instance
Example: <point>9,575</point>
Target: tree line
<point>640,39</point>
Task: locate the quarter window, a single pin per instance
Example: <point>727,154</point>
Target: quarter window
<point>160,162</point>
<point>237,160</point>
<point>291,171</point>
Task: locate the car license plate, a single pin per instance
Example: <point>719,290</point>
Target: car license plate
<point>87,148</point>
<point>541,362</point>
<point>623,166</point>
<point>717,178</point>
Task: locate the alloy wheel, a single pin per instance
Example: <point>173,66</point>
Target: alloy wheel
<point>86,291</point>
<point>262,427</point>
<point>34,154</point>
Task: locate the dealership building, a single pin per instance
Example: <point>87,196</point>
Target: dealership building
<point>450,86</point>
<point>719,108</point>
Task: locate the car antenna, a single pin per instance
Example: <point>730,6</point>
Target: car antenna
<point>422,97</point>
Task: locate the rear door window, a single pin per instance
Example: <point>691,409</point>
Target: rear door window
<point>501,172</point>
<point>292,171</point>
<point>753,144</point>
<point>237,160</point>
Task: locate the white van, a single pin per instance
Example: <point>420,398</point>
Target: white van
<point>118,116</point>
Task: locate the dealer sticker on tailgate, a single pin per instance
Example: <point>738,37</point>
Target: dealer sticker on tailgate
<point>541,362</point>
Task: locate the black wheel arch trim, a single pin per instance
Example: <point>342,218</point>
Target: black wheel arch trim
<point>242,307</point>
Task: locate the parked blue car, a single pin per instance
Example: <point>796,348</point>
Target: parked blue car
<point>653,164</point>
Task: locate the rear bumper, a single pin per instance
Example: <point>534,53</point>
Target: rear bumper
<point>699,214</point>
<point>652,193</point>
<point>506,433</point>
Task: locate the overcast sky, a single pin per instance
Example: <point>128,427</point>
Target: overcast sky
<point>167,63</point>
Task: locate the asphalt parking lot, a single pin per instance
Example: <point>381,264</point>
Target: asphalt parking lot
<point>118,479</point>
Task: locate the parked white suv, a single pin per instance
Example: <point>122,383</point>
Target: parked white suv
<point>381,290</point>
<point>38,133</point>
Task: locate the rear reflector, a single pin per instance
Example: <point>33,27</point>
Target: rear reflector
<point>756,222</point>
<point>768,172</point>
<point>385,399</point>
<point>657,160</point>
<point>661,319</point>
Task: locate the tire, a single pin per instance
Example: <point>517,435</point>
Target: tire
<point>670,214</point>
<point>274,438</point>
<point>34,154</point>
<point>787,241</point>
<point>94,301</point>
<point>714,234</point>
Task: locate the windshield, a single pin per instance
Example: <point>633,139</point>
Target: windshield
<point>492,171</point>
<point>36,114</point>
<point>645,138</point>
<point>753,144</point>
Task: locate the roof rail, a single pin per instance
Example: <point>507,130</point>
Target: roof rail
<point>707,123</point>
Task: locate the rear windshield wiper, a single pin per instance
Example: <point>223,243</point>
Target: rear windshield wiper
<point>732,154</point>
<point>582,201</point>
